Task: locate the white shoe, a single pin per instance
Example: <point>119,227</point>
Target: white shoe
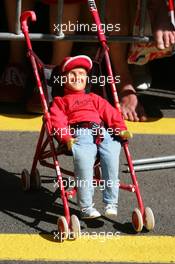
<point>111,210</point>
<point>89,213</point>
<point>142,77</point>
<point>143,86</point>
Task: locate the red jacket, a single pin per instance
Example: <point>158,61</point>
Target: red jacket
<point>75,107</point>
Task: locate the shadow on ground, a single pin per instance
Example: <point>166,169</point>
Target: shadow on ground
<point>41,206</point>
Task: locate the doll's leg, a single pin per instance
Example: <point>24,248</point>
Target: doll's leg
<point>109,150</point>
<point>84,155</point>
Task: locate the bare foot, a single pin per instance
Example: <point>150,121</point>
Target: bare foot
<point>163,30</point>
<point>164,38</point>
<point>131,108</point>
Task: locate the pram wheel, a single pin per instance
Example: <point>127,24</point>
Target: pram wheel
<point>63,228</point>
<point>75,227</point>
<point>137,220</point>
<point>36,180</point>
<point>149,219</point>
<point>25,180</point>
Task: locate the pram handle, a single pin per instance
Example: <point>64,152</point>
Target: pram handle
<point>25,16</point>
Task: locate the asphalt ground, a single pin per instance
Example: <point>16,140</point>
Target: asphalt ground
<point>37,212</point>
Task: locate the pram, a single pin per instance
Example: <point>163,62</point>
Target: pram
<point>141,216</point>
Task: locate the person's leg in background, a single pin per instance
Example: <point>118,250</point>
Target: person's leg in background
<point>61,49</point>
<point>71,12</point>
<point>121,11</point>
<point>158,24</point>
<point>16,47</point>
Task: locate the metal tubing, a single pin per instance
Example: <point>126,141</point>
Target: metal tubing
<point>59,16</point>
<point>134,178</point>
<point>126,187</point>
<point>75,38</point>
<point>18,14</point>
<point>66,172</point>
<point>44,163</point>
<point>157,166</point>
<point>142,17</point>
<point>38,149</point>
<point>154,160</point>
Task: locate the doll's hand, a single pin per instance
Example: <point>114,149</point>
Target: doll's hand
<point>70,143</point>
<point>125,134</point>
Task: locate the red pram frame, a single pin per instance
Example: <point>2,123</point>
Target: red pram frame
<point>140,216</point>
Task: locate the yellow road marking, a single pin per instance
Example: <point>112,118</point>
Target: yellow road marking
<point>163,126</point>
<point>154,249</point>
<point>20,123</point>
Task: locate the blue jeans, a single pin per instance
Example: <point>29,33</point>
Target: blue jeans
<point>84,155</point>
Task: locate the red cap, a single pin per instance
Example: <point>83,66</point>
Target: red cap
<point>70,63</point>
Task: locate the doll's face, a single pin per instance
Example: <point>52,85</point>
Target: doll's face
<point>76,79</point>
